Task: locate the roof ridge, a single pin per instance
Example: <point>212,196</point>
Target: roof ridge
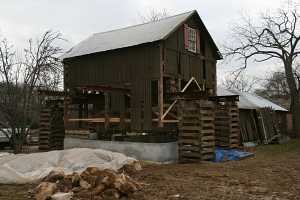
<point>151,22</point>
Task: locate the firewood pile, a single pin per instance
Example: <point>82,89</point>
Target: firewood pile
<point>227,124</point>
<point>92,183</point>
<point>196,131</point>
<point>52,132</point>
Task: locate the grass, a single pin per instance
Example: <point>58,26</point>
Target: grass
<point>274,150</point>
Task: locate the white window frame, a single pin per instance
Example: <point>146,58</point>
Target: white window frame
<point>192,39</point>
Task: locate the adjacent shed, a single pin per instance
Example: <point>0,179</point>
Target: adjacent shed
<point>260,119</point>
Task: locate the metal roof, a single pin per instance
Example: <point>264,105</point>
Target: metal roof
<point>130,36</point>
<point>249,101</point>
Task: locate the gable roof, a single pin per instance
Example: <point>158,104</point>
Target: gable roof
<point>131,36</point>
<point>249,101</point>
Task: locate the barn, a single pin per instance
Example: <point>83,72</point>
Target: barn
<point>125,79</point>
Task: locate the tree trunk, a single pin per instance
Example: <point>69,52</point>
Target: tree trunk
<point>295,109</point>
<point>295,98</point>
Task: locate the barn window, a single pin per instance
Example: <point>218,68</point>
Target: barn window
<point>192,39</point>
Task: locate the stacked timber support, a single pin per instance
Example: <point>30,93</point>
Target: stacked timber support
<point>52,132</point>
<point>196,131</point>
<point>227,124</point>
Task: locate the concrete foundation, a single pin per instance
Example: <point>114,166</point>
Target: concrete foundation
<point>157,152</point>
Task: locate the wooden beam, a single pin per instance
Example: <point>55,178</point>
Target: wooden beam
<point>122,113</point>
<point>103,88</point>
<point>86,110</point>
<point>106,110</point>
<point>147,123</point>
<point>80,109</point>
<point>117,120</point>
<point>66,110</point>
<point>161,84</point>
<point>99,120</point>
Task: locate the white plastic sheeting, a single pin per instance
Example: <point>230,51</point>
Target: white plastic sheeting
<point>25,168</point>
<point>249,101</point>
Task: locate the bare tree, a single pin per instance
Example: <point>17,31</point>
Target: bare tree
<point>276,86</point>
<point>241,82</point>
<point>276,37</point>
<point>154,15</point>
<point>20,78</point>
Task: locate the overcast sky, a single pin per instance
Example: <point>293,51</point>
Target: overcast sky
<point>77,19</point>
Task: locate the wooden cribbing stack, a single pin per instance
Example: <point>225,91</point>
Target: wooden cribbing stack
<point>52,132</point>
<point>196,131</point>
<point>227,124</point>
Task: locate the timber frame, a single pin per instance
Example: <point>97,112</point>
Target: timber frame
<point>134,89</point>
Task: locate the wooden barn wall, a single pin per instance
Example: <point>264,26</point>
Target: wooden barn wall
<point>115,67</point>
<point>134,66</point>
<point>184,64</point>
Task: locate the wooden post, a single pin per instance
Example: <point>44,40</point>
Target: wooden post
<point>161,85</point>
<point>86,110</point>
<point>66,97</point>
<point>80,108</point>
<point>66,110</point>
<point>106,110</point>
<point>122,114</point>
<point>179,85</point>
<point>147,107</point>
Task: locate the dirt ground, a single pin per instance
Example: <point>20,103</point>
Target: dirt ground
<point>273,173</point>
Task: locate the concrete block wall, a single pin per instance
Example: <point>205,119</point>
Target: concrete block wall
<point>156,152</point>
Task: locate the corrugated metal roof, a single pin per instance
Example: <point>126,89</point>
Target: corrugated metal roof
<point>129,36</point>
<point>249,101</point>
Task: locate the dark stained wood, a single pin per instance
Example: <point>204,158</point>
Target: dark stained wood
<point>160,84</point>
<point>196,138</point>
<point>52,132</point>
<point>227,123</point>
<point>122,114</point>
<point>130,71</point>
<point>106,111</point>
<point>103,88</point>
<point>147,106</point>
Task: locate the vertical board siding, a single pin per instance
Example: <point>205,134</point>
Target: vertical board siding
<point>191,63</point>
<point>135,67</point>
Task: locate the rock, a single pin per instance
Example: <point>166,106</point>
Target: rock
<point>89,175</point>
<point>62,196</point>
<point>45,190</point>
<point>105,184</point>
<point>99,189</point>
<point>137,166</point>
<point>258,190</point>
<point>125,185</point>
<point>175,196</point>
<point>76,189</point>
<point>84,184</point>
<point>54,176</point>
<point>76,180</point>
<point>131,168</point>
<point>233,182</point>
<point>108,178</point>
<point>95,176</point>
<point>111,194</point>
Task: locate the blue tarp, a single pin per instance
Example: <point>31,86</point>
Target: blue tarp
<point>222,155</point>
